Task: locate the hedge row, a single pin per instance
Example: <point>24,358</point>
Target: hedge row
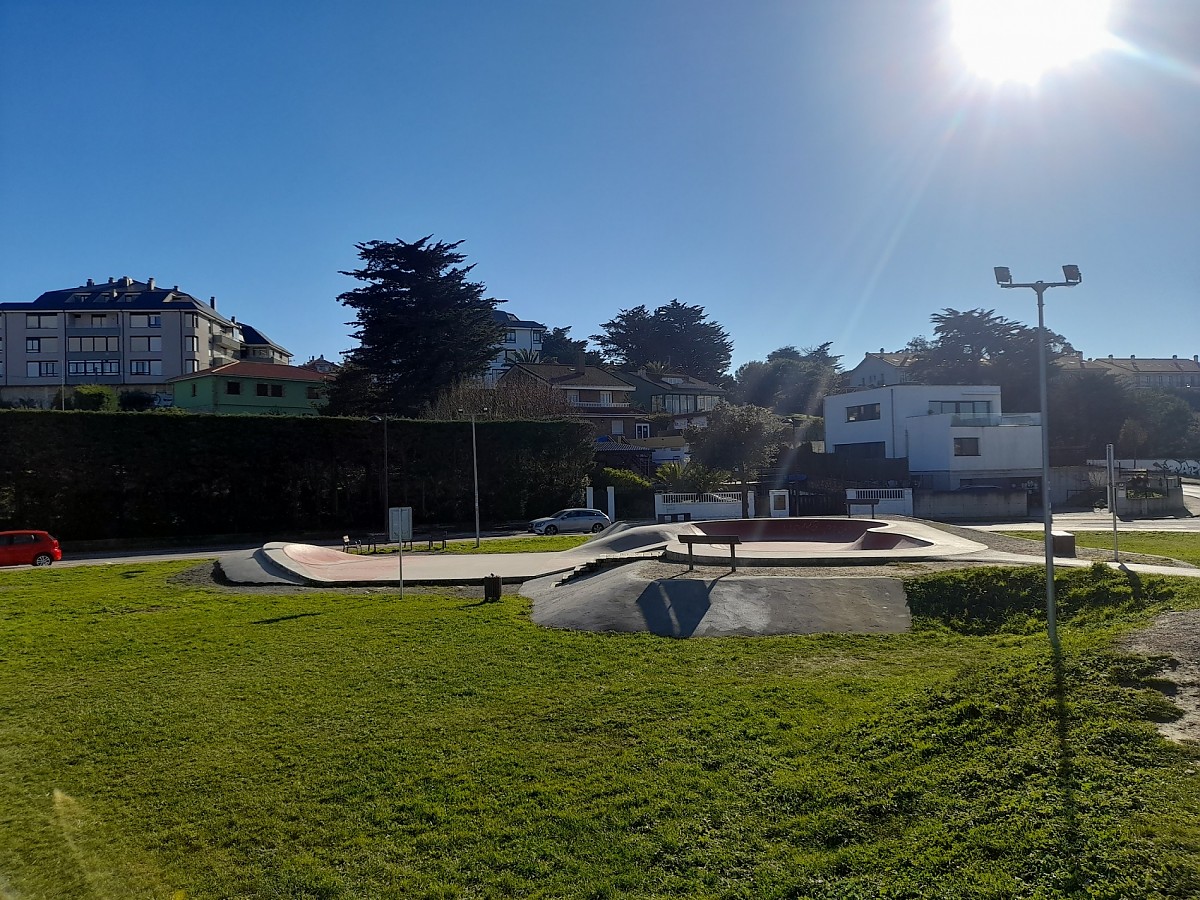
<point>90,475</point>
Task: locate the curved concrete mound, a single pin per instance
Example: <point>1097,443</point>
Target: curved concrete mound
<point>623,600</point>
<point>817,540</point>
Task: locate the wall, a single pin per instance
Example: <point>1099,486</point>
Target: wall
<point>728,507</point>
<point>970,505</point>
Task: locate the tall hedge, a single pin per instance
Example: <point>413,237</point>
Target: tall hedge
<point>88,475</point>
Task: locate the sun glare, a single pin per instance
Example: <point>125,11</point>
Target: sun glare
<point>1018,40</point>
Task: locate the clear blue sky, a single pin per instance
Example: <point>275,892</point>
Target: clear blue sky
<point>807,171</point>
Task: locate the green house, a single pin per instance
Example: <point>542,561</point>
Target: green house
<point>251,387</point>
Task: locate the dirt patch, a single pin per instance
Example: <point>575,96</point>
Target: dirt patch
<point>1175,639</point>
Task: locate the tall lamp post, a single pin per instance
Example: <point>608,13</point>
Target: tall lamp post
<point>387,508</point>
<point>475,473</point>
<point>1071,277</point>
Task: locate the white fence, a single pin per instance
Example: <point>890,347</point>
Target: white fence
<point>723,505</point>
<point>886,501</point>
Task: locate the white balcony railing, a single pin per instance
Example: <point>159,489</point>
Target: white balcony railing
<point>596,404</point>
<point>993,419</point>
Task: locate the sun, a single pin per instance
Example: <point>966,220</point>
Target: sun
<point>1019,40</point>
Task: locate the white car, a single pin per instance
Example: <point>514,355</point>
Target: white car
<point>568,520</point>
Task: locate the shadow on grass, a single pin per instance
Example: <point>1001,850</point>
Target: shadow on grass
<point>285,618</point>
<point>1072,840</point>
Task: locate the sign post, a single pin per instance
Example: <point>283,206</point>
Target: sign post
<point>400,530</point>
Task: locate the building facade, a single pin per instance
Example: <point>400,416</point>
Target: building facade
<point>127,334</point>
<point>521,341</point>
<point>251,387</point>
<point>954,436</point>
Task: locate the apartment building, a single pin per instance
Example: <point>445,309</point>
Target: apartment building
<point>127,334</point>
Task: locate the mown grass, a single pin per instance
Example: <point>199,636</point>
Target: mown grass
<point>524,544</point>
<point>158,738</point>
<point>1181,545</point>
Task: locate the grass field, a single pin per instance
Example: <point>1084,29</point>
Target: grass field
<point>163,740</point>
<point>525,544</point>
<point>1183,546</point>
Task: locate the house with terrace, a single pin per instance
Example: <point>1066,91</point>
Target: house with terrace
<point>597,394</point>
<point>521,341</point>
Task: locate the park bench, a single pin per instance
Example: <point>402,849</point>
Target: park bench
<point>433,537</point>
<point>729,540</point>
<point>850,504</point>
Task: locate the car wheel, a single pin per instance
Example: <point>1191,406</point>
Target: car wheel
<point>597,528</point>
<point>550,529</point>
<point>43,559</point>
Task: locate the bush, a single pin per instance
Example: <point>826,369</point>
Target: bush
<point>987,600</point>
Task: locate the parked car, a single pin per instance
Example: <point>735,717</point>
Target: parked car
<point>28,548</point>
<point>568,520</point>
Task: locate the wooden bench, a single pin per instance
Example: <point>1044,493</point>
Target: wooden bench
<point>434,537</point>
<point>730,540</point>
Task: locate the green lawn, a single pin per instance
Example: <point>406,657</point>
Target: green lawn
<point>161,740</point>
<point>525,544</point>
<point>1183,546</point>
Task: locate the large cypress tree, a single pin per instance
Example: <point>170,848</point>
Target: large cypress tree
<point>421,324</point>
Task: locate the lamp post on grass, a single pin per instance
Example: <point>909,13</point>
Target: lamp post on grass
<point>475,473</point>
<point>1071,277</point>
<point>387,509</point>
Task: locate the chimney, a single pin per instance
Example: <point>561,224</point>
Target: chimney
<point>212,301</point>
<point>1174,356</point>
<point>579,362</point>
<point>91,283</point>
<point>1196,357</point>
<point>150,283</point>
<point>110,279</point>
<point>126,280</point>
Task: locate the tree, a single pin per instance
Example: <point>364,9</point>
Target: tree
<point>1087,411</point>
<point>557,346</point>
<point>677,335</point>
<point>96,397</point>
<point>790,381</point>
<point>739,439</point>
<point>421,324</point>
<point>511,399</point>
<point>976,346</point>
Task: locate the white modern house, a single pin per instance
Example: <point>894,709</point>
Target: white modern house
<point>954,436</point>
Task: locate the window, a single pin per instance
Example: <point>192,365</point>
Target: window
<point>965,446</point>
<point>277,390</point>
<point>961,407</point>
<point>94,344</point>
<point>41,345</point>
<point>233,387</point>
<point>641,430</point>
<point>862,413</point>
<point>573,397</point>
<point>313,393</point>
<point>144,320</point>
<point>191,343</point>
<point>41,370</point>
<point>145,367</point>
<point>99,320</point>
<point>260,390</point>
<point>510,337</point>
<point>192,320</point>
<point>145,344</point>
<point>618,427</point>
<point>41,320</point>
<point>94,367</point>
<point>606,398</point>
<point>537,339</point>
<point>191,365</point>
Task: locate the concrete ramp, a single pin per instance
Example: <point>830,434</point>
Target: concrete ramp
<point>620,600</point>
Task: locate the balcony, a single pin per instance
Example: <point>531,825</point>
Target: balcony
<point>994,419</point>
<point>227,342</point>
<point>597,404</point>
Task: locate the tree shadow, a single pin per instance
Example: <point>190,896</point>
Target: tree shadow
<point>675,607</point>
<point>285,618</point>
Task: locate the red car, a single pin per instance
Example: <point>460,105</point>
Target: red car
<point>28,548</point>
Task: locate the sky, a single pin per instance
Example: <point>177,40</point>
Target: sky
<point>806,171</point>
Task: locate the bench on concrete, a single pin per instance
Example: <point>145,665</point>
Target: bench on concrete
<point>729,540</point>
<point>850,504</point>
<point>361,543</point>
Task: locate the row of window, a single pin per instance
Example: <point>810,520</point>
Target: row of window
<point>234,388</point>
<point>102,320</point>
<point>510,337</point>
<point>51,368</point>
<point>640,429</point>
<point>107,344</point>
<point>868,411</point>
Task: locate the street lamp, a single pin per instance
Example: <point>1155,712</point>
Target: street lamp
<point>387,509</point>
<point>1071,277</point>
<point>475,472</point>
